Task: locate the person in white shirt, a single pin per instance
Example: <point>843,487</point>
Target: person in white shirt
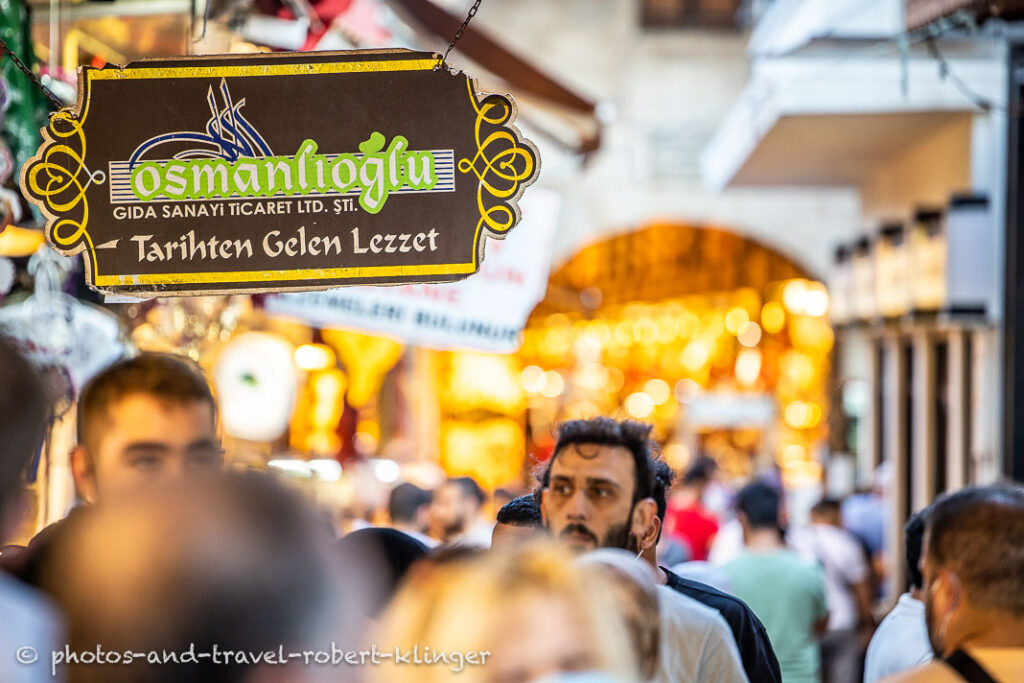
<point>29,629</point>
<point>901,640</point>
<point>694,641</point>
<point>847,589</point>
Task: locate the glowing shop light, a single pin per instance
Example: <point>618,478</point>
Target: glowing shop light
<point>386,471</point>
<point>802,415</point>
<point>749,334</point>
<point>793,295</point>
<point>696,355</point>
<point>748,366</point>
<point>325,469</point>
<point>312,357</point>
<point>554,384</point>
<point>735,319</point>
<point>639,405</point>
<point>773,317</point>
<point>658,390</point>
<point>686,390</point>
<point>532,378</point>
<point>805,297</point>
<point>816,301</point>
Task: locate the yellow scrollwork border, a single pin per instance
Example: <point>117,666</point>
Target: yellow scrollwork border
<point>56,180</point>
<point>500,148</point>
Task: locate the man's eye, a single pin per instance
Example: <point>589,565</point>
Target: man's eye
<point>562,489</point>
<point>205,457</point>
<point>602,492</point>
<point>146,462</point>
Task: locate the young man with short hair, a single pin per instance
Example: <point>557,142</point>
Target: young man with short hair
<point>141,421</point>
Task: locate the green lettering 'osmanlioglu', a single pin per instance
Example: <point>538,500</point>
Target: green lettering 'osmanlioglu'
<point>375,174</point>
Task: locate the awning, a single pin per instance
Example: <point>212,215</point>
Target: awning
<point>832,122</point>
<point>125,30</point>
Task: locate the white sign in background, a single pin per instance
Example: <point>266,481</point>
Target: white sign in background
<point>486,312</point>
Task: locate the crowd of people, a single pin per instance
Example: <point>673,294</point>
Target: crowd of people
<point>177,567</point>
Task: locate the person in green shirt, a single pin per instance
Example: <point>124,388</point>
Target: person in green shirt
<point>786,592</point>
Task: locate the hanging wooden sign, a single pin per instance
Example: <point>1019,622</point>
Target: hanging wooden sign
<point>279,172</point>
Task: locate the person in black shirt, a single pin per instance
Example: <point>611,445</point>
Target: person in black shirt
<point>756,653</point>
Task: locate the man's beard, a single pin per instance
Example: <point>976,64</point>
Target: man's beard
<point>618,536</point>
<point>453,529</point>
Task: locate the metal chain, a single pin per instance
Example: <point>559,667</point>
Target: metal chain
<point>54,100</point>
<point>458,34</point>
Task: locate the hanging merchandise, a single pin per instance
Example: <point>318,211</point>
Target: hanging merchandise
<point>27,110</point>
<point>69,340</point>
<point>8,274</point>
<point>191,326</point>
<point>256,382</point>
<point>6,158</point>
<point>10,204</point>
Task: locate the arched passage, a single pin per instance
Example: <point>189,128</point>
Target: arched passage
<point>720,341</point>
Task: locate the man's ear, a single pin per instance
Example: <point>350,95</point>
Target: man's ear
<point>544,507</point>
<point>950,592</point>
<point>84,474</point>
<point>651,539</point>
<point>646,525</point>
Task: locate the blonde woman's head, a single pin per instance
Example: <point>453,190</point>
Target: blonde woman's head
<point>525,613</point>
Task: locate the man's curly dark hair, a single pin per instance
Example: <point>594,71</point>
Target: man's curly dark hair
<point>650,472</point>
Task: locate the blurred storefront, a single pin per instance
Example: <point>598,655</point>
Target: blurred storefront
<point>852,95</point>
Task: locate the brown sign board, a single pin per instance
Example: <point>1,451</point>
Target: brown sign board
<point>279,172</point>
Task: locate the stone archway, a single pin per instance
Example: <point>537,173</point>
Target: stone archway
<point>721,342</point>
